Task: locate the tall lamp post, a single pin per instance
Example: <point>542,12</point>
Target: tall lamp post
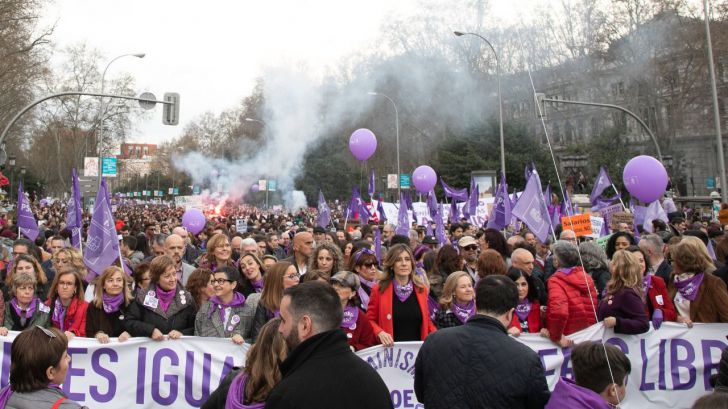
<point>22,174</point>
<point>101,109</point>
<point>716,106</point>
<point>11,163</point>
<point>396,126</point>
<point>500,99</point>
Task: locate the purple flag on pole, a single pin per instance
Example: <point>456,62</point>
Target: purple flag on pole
<point>454,212</point>
<point>402,217</point>
<point>372,186</point>
<point>602,183</point>
<point>363,211</point>
<point>380,209</point>
<point>26,221</point>
<point>440,226</point>
<point>432,204</point>
<point>378,244</point>
<point>102,246</point>
<point>324,213</point>
<point>456,194</point>
<point>74,215</point>
<point>501,214</point>
<point>532,210</point>
<point>567,209</point>
<point>355,199</point>
<point>471,207</point>
<point>428,229</point>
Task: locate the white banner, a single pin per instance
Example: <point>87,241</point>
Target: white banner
<point>423,214</point>
<point>671,366</point>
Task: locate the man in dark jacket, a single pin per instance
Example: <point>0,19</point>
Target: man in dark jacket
<point>320,371</point>
<point>477,365</point>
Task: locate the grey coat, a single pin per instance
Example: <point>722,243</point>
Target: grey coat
<point>41,316</point>
<point>43,398</point>
<point>186,272</point>
<point>209,324</point>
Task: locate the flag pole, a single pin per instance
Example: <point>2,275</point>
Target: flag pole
<point>619,195</point>
<point>346,219</point>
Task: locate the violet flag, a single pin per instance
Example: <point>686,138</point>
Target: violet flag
<point>354,201</point>
<point>456,194</point>
<point>74,214</point>
<point>602,183</point>
<point>440,226</point>
<point>531,208</point>
<point>471,206</point>
<point>324,213</point>
<point>26,221</point>
<point>380,210</point>
<point>402,217</point>
<point>567,208</point>
<point>547,196</point>
<point>363,211</point>
<point>454,212</point>
<point>378,244</point>
<point>372,186</point>
<point>432,204</point>
<point>102,245</point>
<point>530,168</point>
<point>501,214</point>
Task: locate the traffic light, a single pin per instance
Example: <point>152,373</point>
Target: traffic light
<point>170,113</point>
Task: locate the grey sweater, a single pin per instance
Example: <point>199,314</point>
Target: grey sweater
<point>43,398</point>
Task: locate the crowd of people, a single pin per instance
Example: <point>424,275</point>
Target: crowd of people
<point>297,292</point>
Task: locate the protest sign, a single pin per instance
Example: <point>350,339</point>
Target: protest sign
<point>241,225</point>
<point>596,226</point>
<point>581,224</point>
<point>608,211</point>
<point>621,217</point>
<point>602,241</point>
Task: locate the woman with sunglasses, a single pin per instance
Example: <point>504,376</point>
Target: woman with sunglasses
<point>226,314</point>
<point>25,309</point>
<point>68,308</point>
<point>364,264</point>
<point>281,276</point>
<point>107,310</point>
<point>359,331</point>
<point>39,363</point>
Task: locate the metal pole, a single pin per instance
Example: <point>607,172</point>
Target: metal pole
<point>716,110</point>
<point>396,125</point>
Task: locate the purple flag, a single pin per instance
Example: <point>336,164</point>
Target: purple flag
<point>363,211</point>
<point>428,229</point>
<point>456,194</point>
<point>532,210</point>
<point>324,213</point>
<point>471,207</point>
<point>372,186</point>
<point>402,217</point>
<point>432,204</point>
<point>454,212</point>
<point>380,209</point>
<point>602,183</point>
<point>547,196</point>
<point>378,244</point>
<point>440,226</point>
<point>74,215</point>
<point>530,168</point>
<point>567,208</point>
<point>26,221</point>
<point>501,214</point>
<point>102,246</point>
<point>354,202</point>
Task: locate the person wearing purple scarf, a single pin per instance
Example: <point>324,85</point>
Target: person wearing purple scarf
<point>164,310</point>
<point>24,309</point>
<point>364,263</point>
<point>251,269</point>
<point>107,311</point>
<point>457,301</point>
<point>698,296</point>
<point>356,325</point>
<point>261,368</point>
<point>226,314</point>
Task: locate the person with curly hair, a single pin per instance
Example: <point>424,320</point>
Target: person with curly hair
<point>326,258</point>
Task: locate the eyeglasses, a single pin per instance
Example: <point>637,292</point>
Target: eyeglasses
<point>66,284</point>
<point>370,265</point>
<point>472,247</point>
<point>220,281</point>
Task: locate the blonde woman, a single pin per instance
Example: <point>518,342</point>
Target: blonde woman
<point>106,312</point>
<point>218,253</point>
<point>457,303</point>
<point>398,304</point>
<point>281,276</point>
<point>623,307</point>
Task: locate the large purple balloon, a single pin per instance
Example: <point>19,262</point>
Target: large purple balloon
<point>362,143</point>
<point>193,220</point>
<point>424,178</point>
<point>645,178</point>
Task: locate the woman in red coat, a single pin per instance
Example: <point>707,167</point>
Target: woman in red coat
<point>527,317</point>
<point>398,304</point>
<point>359,331</point>
<point>68,308</point>
<point>657,300</point>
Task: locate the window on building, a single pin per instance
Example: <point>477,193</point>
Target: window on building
<point>146,151</point>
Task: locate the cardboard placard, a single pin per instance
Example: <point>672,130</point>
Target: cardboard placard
<point>596,225</point>
<point>580,224</point>
<point>621,217</point>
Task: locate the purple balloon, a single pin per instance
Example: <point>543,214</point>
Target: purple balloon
<point>424,178</point>
<point>193,220</point>
<point>362,144</point>
<point>645,178</point>
<point>255,187</point>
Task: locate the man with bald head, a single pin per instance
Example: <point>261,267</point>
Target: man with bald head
<point>191,252</point>
<point>302,250</point>
<point>174,247</point>
<point>522,259</point>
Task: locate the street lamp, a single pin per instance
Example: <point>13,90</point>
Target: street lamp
<point>22,174</point>
<point>254,120</point>
<point>101,108</point>
<point>396,125</point>
<point>11,162</point>
<point>500,99</point>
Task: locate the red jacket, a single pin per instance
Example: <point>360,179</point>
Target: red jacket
<point>75,320</point>
<point>379,311</point>
<point>660,289</point>
<point>569,308</point>
<point>533,319</point>
<point>362,335</point>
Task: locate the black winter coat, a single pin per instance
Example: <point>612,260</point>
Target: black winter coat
<point>477,365</point>
<point>141,320</point>
<point>323,373</point>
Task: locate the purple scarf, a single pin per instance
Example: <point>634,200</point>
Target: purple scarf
<point>5,395</point>
<point>464,312</point>
<point>689,288</point>
<point>28,311</point>
<point>363,296</point>
<point>403,292</point>
<point>236,394</point>
<point>112,302</point>
<point>237,300</point>
<point>351,314</point>
<point>523,309</point>
<point>646,283</point>
<point>59,314</point>
<point>258,286</point>
<point>433,307</point>
<point>165,297</point>
<point>566,270</point>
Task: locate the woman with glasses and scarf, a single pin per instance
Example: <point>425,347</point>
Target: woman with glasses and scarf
<point>364,264</point>
<point>359,331</point>
<point>107,310</point>
<point>68,308</point>
<point>164,309</point>
<point>398,305</point>
<point>281,276</point>
<point>226,314</point>
<point>25,309</point>
<point>457,301</point>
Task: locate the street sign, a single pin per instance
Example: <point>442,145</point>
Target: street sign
<point>392,181</point>
<point>91,167</point>
<point>405,181</point>
<point>272,185</point>
<point>710,182</point>
<point>149,103</point>
<point>108,167</point>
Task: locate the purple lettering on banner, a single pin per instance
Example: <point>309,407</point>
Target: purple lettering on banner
<point>661,373</point>
<point>644,385</point>
<point>566,371</point>
<point>389,357</point>
<point>170,379</point>
<point>396,398</point>
<point>6,364</point>
<point>405,366</point>
<point>226,367</point>
<point>617,342</point>
<point>542,354</point>
<point>709,363</point>
<point>371,363</point>
<point>80,372</point>
<point>408,401</point>
<point>141,375</point>
<point>676,364</point>
<point>105,373</point>
<point>189,379</point>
